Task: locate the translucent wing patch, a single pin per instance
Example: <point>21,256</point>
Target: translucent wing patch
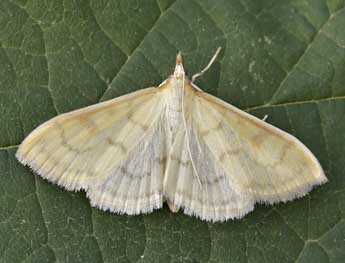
<point>104,143</point>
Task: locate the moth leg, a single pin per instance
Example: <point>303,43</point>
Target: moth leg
<point>196,87</point>
<point>265,117</point>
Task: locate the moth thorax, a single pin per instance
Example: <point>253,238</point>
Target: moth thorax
<point>175,106</point>
<point>179,72</point>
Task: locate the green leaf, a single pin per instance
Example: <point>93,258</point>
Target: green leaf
<point>281,58</point>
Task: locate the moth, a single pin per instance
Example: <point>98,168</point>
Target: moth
<point>172,143</point>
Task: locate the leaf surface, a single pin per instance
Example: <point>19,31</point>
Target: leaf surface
<point>285,59</point>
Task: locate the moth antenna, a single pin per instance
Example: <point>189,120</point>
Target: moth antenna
<point>187,135</point>
<point>208,65</point>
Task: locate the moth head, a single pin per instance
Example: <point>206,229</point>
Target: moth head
<point>179,72</point>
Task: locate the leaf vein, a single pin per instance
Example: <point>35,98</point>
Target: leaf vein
<point>331,17</point>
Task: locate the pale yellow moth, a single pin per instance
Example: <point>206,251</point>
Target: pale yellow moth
<point>172,143</point>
